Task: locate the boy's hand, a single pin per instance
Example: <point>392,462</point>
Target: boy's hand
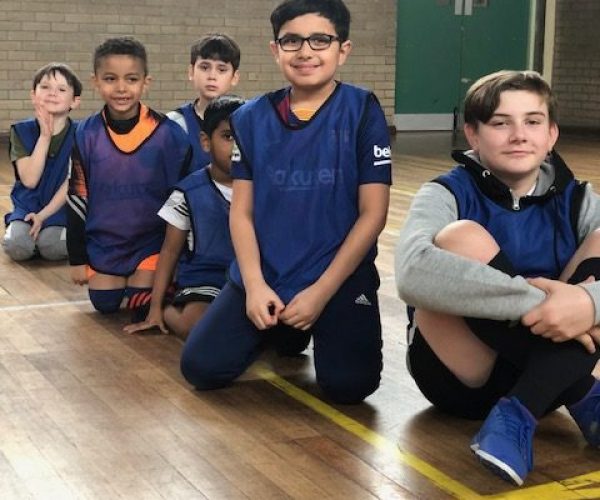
<point>590,339</point>
<point>305,308</point>
<point>153,320</point>
<point>566,313</point>
<point>45,120</point>
<point>79,274</point>
<point>36,224</point>
<point>263,306</point>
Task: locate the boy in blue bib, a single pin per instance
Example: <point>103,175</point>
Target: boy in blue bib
<point>498,259</point>
<point>310,196</point>
<point>126,159</point>
<point>40,149</point>
<point>213,71</point>
<point>197,240</point>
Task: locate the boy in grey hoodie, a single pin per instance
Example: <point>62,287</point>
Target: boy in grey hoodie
<point>498,260</point>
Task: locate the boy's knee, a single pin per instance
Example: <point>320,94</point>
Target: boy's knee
<point>107,301</point>
<point>201,371</point>
<point>52,249</point>
<point>468,239</point>
<point>19,249</point>
<point>349,388</point>
<point>591,244</point>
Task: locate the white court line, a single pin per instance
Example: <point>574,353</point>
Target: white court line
<point>28,307</point>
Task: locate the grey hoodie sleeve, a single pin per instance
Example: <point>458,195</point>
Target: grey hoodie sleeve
<point>431,278</point>
<point>589,220</point>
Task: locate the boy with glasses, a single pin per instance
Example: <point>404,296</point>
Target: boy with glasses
<point>311,189</point>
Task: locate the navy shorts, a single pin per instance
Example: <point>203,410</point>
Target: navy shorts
<point>446,392</point>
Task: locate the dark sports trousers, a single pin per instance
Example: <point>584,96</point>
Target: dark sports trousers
<point>542,374</point>
<point>347,340</point>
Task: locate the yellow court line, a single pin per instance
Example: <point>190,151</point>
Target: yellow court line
<point>581,487</point>
<point>441,480</point>
<point>586,486</point>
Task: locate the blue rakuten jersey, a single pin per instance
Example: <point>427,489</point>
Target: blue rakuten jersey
<point>207,263</point>
<point>306,180</point>
<point>26,200</point>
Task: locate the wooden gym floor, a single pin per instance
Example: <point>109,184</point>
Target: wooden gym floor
<point>87,411</point>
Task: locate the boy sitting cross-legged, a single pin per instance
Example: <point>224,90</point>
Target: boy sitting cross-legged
<point>499,260</point>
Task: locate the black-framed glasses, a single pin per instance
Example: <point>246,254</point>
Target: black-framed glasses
<point>316,41</point>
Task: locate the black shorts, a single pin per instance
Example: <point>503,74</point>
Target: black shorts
<point>446,392</point>
<point>205,293</point>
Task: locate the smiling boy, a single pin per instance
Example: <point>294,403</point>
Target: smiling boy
<point>125,161</point>
<point>40,148</point>
<point>309,201</point>
<point>497,260</point>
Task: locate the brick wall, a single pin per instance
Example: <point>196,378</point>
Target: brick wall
<point>35,32</point>
<point>576,72</point>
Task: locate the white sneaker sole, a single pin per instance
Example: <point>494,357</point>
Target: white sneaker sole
<point>497,466</point>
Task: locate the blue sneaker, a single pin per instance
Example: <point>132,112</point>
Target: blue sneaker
<point>586,414</point>
<point>504,442</point>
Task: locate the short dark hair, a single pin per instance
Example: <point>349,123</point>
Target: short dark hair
<point>334,10</point>
<point>121,46</point>
<point>483,97</point>
<point>62,69</point>
<point>218,47</point>
<point>219,109</point>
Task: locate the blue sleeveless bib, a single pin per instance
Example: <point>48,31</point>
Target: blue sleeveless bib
<point>26,200</point>
<point>539,239</point>
<point>207,264</point>
<point>125,193</point>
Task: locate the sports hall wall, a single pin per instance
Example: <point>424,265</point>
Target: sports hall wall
<point>35,32</point>
<point>576,69</point>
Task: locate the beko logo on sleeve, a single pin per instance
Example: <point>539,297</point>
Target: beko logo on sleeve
<point>383,156</point>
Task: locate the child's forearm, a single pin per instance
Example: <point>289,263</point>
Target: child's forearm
<point>30,168</point>
<point>167,261</point>
<point>246,249</point>
<point>243,234</point>
<point>56,203</point>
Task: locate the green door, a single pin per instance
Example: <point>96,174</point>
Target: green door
<point>444,45</point>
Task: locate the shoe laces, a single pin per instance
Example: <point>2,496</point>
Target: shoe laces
<point>519,430</point>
